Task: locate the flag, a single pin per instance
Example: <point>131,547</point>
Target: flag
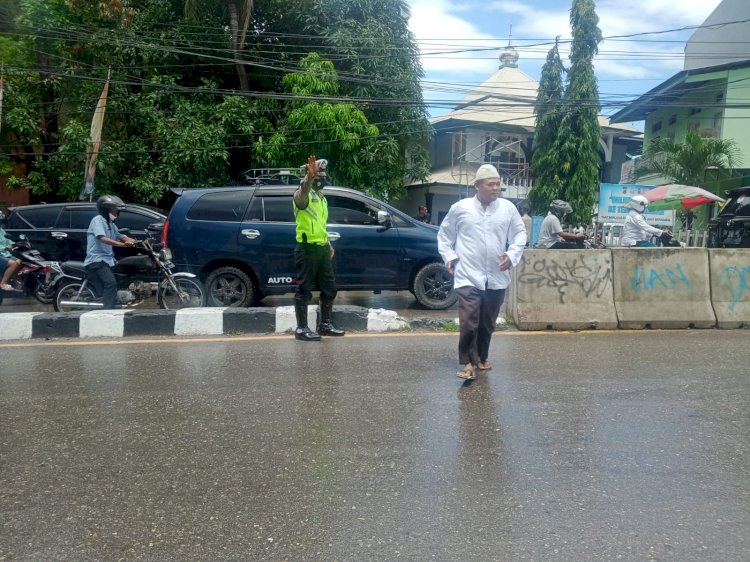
<point>96,138</point>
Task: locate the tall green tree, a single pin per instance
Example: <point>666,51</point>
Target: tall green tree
<point>378,60</point>
<point>339,132</point>
<point>686,162</point>
<point>579,133</point>
<point>545,161</point>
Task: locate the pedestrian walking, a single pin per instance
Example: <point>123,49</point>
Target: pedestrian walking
<point>480,239</point>
<point>313,254</point>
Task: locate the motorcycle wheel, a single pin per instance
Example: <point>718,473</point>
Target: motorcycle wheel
<point>69,292</point>
<point>189,294</point>
<point>41,296</point>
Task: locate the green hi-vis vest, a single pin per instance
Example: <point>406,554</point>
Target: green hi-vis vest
<point>312,220</point>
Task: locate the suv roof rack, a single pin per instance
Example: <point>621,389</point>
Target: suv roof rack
<point>264,176</point>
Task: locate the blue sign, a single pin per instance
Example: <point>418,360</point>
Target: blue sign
<point>614,199</point>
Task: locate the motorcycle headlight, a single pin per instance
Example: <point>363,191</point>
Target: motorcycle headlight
<point>165,254</point>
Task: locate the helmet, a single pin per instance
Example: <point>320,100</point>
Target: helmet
<point>560,208</point>
<point>639,203</point>
<point>107,203</point>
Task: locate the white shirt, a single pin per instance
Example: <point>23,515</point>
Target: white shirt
<point>477,237</point>
<point>636,228</point>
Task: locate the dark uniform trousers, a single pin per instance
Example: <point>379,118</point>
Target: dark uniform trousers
<point>102,277</point>
<point>477,318</point>
<point>314,267</point>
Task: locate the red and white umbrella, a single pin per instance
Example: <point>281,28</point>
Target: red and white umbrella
<point>675,195</point>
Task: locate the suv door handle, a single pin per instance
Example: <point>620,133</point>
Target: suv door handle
<point>333,236</point>
<point>250,233</point>
<point>59,235</point>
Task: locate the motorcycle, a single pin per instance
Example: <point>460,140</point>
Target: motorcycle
<point>36,276</point>
<point>133,274</point>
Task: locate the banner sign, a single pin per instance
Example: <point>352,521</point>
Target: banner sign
<point>613,204</point>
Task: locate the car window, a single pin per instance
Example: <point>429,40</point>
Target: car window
<point>737,206</point>
<point>220,206</point>
<point>40,217</point>
<point>271,208</point>
<point>75,218</point>
<point>135,221</point>
<point>347,210</point>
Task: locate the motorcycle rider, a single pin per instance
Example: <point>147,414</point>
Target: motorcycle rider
<point>102,237</point>
<point>8,264</point>
<point>551,234</point>
<point>635,230</point>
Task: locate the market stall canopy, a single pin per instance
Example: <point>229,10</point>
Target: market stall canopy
<point>675,195</point>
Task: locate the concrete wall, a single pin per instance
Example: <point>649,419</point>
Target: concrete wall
<point>563,290</point>
<point>662,288</point>
<point>632,288</point>
<point>730,287</point>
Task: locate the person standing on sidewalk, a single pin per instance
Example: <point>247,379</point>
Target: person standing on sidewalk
<point>313,254</point>
<point>480,239</point>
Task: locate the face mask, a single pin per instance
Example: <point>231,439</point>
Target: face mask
<point>112,217</point>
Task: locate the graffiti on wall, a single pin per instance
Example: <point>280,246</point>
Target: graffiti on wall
<point>738,281</point>
<point>652,278</point>
<point>588,278</point>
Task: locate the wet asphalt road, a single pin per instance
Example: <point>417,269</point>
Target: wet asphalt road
<point>594,446</point>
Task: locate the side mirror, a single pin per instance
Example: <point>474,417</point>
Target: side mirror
<point>384,217</point>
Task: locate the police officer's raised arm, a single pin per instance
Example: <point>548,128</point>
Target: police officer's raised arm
<point>301,196</point>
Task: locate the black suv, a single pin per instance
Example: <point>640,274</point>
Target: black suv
<point>731,227</point>
<point>240,241</point>
<point>58,230</point>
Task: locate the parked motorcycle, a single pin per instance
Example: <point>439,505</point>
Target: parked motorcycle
<point>134,275</point>
<point>36,276</point>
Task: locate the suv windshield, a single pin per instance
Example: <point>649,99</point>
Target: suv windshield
<point>738,205</point>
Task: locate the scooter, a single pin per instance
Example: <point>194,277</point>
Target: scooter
<point>36,276</point>
<point>133,274</point>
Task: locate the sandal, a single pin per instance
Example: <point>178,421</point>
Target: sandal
<point>6,287</point>
<point>467,374</point>
<point>487,368</point>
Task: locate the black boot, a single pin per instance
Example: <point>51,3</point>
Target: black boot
<point>326,327</point>
<point>303,332</point>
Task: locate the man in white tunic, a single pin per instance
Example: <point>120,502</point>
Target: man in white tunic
<point>480,239</point>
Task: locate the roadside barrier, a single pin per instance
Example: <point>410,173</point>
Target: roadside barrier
<point>632,288</point>
<point>563,290</point>
<point>186,322</point>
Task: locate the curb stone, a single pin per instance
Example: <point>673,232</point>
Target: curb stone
<point>186,322</point>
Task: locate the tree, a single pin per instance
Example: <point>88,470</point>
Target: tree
<point>577,142</point>
<point>359,33</point>
<point>545,162</point>
<point>687,162</point>
<point>239,15</point>
<point>339,132</point>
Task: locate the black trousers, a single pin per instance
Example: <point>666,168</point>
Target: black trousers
<point>102,277</point>
<point>314,268</point>
<point>477,317</point>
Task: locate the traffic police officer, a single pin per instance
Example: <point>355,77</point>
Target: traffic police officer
<point>313,254</point>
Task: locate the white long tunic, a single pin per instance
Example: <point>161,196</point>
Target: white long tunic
<point>636,228</point>
<point>477,237</point>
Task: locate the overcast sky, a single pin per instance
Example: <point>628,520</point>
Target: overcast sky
<point>625,67</point>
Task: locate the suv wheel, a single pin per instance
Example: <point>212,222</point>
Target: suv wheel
<point>433,287</point>
<point>229,286</point>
